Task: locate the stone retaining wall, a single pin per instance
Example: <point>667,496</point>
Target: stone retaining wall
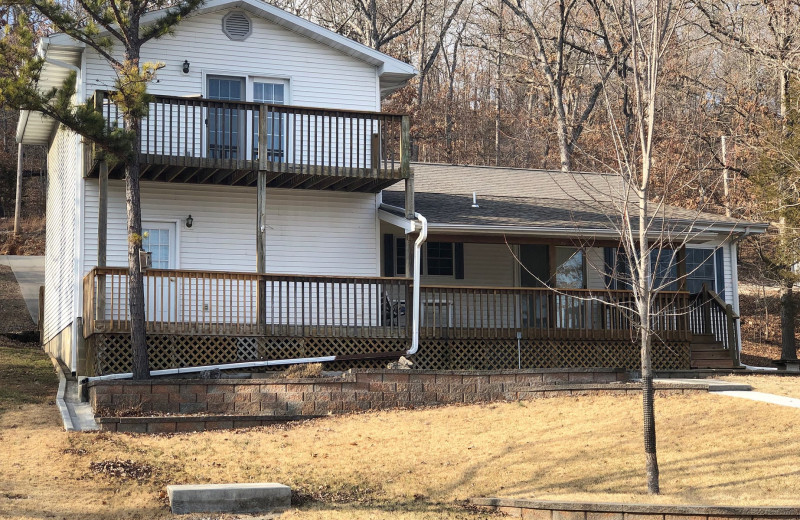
<point>355,391</point>
<point>550,510</point>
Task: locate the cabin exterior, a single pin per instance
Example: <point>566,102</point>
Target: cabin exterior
<point>280,212</point>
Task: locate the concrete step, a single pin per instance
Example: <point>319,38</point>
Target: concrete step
<point>229,498</point>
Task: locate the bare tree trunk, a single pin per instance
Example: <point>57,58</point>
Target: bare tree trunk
<point>497,80</point>
<point>645,289</point>
<point>141,365</point>
<point>788,343</point>
<point>726,189</point>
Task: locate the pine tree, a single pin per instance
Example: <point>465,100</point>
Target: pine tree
<point>114,29</point>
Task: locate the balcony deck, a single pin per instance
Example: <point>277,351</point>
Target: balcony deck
<point>203,141</point>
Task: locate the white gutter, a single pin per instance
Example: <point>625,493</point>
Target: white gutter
<point>22,125</point>
<point>423,235</point>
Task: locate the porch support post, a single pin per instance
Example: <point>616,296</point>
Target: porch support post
<point>102,238</point>
<point>261,243</point>
<point>261,217</point>
<point>680,259</point>
<point>18,201</point>
<point>410,216</point>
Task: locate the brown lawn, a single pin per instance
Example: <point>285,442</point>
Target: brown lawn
<point>416,464</point>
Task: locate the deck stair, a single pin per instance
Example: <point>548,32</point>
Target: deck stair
<point>708,352</point>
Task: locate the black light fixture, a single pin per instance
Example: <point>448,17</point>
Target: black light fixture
<point>189,221</point>
<point>186,66</point>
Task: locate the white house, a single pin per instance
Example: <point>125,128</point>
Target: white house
<point>266,135</point>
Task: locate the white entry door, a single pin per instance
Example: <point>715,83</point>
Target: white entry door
<point>161,292</point>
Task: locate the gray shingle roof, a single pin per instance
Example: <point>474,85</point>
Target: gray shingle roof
<point>509,197</point>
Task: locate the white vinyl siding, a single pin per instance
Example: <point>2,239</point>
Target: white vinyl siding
<point>62,210</point>
<point>489,265</point>
<point>308,232</point>
<point>317,74</point>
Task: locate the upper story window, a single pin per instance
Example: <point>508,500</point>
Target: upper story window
<point>273,92</point>
<point>268,92</point>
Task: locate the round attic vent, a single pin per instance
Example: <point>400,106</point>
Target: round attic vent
<point>236,25</point>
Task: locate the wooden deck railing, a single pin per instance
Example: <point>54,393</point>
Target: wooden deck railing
<point>710,314</point>
<point>277,138</point>
<point>222,303</point>
<point>534,313</point>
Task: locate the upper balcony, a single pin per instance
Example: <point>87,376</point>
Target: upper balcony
<point>206,141</point>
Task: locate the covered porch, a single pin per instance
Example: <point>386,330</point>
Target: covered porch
<point>201,318</point>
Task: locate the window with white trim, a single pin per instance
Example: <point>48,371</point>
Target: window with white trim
<point>272,92</point>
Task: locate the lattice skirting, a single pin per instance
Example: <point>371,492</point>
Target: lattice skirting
<point>111,353</point>
<point>491,354</point>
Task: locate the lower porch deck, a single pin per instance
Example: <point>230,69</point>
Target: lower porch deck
<point>198,318</point>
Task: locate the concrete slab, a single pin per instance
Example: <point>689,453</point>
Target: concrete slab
<point>712,385</point>
<point>765,398</point>
<point>29,272</point>
<point>229,498</point>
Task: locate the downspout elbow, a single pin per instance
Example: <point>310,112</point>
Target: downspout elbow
<point>415,311</point>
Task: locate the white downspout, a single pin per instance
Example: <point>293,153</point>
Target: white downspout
<point>423,235</point>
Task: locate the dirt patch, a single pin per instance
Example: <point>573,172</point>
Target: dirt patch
<point>338,494</point>
<point>14,316</point>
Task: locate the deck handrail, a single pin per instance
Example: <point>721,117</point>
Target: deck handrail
<point>184,301</point>
<point>539,312</point>
<point>210,302</point>
<point>283,139</point>
<point>712,315</point>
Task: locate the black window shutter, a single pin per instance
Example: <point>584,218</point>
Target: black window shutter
<point>388,254</point>
<point>718,259</point>
<point>459,260</point>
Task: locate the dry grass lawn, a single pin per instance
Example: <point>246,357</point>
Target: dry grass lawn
<point>417,464</point>
<point>788,386</point>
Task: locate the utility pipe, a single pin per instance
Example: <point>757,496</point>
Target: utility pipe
<point>228,366</point>
<point>423,235</point>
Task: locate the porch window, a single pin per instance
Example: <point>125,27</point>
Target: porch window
<point>440,258</point>
<point>704,266</point>
<point>571,271</point>
<point>663,267</point>
<point>400,256</point>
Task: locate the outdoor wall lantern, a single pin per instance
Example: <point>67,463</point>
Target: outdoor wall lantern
<point>189,221</point>
<point>186,66</point>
